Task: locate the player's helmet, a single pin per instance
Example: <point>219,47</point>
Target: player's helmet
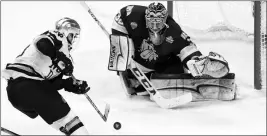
<point>156,16</point>
<point>70,29</point>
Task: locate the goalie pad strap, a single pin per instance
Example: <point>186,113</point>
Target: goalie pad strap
<point>121,49</point>
<point>174,85</point>
<point>186,76</point>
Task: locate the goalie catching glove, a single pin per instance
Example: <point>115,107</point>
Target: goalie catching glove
<point>77,86</point>
<point>213,65</point>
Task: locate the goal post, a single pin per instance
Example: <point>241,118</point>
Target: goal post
<point>224,29</point>
<point>257,45</point>
<point>170,8</point>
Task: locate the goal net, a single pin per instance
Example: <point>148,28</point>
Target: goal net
<point>215,20</point>
<point>227,20</point>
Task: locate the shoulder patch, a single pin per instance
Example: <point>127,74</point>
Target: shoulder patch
<point>55,36</point>
<point>169,39</point>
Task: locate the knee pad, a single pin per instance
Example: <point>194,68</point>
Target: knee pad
<point>68,124</point>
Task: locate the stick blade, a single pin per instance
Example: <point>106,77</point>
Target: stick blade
<point>174,102</point>
<point>107,109</point>
<point>9,132</point>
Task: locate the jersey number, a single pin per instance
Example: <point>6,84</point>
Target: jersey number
<point>53,70</point>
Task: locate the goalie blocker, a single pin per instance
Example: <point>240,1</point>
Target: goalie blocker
<point>121,49</point>
<point>202,88</point>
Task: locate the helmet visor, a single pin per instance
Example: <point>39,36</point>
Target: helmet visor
<point>73,38</point>
<point>155,22</point>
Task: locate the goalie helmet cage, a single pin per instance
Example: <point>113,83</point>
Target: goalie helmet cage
<point>221,28</point>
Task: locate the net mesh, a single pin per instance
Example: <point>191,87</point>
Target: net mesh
<point>216,20</point>
<point>223,20</point>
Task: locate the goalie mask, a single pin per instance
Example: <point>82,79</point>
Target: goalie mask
<point>71,31</point>
<point>156,15</point>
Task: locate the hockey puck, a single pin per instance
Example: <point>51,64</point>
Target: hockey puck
<point>117,125</point>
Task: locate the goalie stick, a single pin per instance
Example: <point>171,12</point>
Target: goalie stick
<point>9,132</point>
<point>154,94</point>
<point>107,107</point>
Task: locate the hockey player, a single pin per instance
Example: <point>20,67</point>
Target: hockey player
<point>158,45</point>
<point>37,74</point>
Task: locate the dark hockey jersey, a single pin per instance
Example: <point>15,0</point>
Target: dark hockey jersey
<point>131,21</point>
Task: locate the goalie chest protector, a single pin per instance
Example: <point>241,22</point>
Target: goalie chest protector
<point>205,88</point>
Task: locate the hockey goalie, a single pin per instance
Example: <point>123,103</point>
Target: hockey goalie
<point>167,56</point>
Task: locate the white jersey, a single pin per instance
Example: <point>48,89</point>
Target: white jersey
<point>35,63</point>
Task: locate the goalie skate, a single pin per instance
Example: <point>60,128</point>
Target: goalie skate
<point>131,85</point>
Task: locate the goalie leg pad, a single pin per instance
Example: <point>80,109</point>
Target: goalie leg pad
<point>70,125</point>
<point>174,85</point>
<point>121,49</point>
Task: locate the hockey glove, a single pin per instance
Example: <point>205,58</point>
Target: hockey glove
<point>213,65</point>
<point>80,87</point>
<point>63,63</point>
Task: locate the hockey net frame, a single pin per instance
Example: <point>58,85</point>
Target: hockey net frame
<point>224,30</point>
<point>260,45</point>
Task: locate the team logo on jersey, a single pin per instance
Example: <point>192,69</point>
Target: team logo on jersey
<point>118,19</point>
<point>169,39</point>
<point>133,25</point>
<point>129,10</point>
<point>147,51</point>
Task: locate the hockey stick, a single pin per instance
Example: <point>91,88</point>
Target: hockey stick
<point>162,102</point>
<point>107,107</point>
<point>9,132</point>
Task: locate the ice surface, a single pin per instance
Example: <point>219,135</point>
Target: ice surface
<point>22,21</point>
